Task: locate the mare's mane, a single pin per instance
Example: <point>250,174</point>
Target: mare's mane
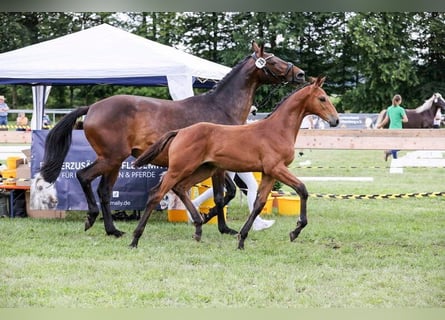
<point>426,105</point>
<point>223,81</point>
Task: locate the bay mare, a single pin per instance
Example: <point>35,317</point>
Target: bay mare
<point>423,116</point>
<point>124,125</point>
<point>266,146</point>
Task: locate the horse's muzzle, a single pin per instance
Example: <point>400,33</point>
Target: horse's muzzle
<point>299,77</point>
<point>333,121</point>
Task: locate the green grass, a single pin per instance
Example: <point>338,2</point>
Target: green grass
<point>353,253</point>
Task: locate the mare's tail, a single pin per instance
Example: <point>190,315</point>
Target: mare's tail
<point>58,143</point>
<point>155,149</point>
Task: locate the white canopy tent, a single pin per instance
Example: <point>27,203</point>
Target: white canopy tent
<point>105,55</point>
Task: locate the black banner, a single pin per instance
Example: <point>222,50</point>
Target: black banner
<point>129,192</point>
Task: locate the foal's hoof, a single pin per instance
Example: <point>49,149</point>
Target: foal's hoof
<point>240,242</point>
<point>293,235</point>
<point>196,237</point>
<point>88,224</point>
<point>133,245</point>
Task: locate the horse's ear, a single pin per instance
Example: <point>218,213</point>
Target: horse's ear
<point>320,81</point>
<point>311,80</point>
<point>255,47</point>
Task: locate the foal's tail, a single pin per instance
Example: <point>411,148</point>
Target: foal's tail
<point>155,149</point>
<point>58,143</point>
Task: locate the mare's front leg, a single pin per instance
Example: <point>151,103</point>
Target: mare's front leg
<point>283,174</point>
<point>218,179</point>
<point>196,216</point>
<point>264,189</point>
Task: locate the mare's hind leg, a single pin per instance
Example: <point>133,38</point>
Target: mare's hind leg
<point>264,189</point>
<point>218,179</point>
<point>283,174</point>
<point>104,191</point>
<point>85,177</point>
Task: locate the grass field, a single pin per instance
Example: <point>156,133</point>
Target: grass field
<point>354,253</point>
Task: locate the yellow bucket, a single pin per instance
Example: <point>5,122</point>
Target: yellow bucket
<point>9,173</point>
<point>13,162</point>
<point>288,206</point>
<point>268,207</point>
<point>258,176</point>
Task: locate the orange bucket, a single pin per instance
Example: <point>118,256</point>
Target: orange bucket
<point>177,215</point>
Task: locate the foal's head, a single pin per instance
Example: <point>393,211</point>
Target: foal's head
<point>318,103</point>
<point>273,69</point>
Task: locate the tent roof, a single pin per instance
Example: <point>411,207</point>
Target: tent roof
<point>105,55</point>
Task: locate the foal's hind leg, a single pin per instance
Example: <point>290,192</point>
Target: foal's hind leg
<point>154,197</point>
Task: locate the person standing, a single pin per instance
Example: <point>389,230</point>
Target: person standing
<point>3,112</point>
<point>21,122</point>
<point>396,116</point>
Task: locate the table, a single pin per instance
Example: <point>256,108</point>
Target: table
<point>11,188</point>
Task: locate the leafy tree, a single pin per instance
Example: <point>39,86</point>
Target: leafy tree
<point>429,44</point>
<point>367,57</point>
<point>384,66</point>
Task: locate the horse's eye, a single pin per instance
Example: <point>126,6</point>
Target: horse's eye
<point>322,99</point>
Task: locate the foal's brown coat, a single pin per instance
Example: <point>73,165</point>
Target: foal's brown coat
<point>265,146</point>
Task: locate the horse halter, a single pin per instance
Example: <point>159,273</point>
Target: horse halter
<point>261,63</point>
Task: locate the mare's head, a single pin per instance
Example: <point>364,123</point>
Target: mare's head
<point>318,103</point>
<point>436,101</point>
<point>273,69</point>
<point>439,101</point>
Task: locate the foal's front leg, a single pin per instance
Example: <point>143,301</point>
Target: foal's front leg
<point>263,192</point>
<point>285,176</point>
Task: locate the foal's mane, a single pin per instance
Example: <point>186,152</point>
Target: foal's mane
<point>287,96</point>
<point>426,105</point>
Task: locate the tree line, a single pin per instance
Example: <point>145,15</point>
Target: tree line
<point>367,57</point>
